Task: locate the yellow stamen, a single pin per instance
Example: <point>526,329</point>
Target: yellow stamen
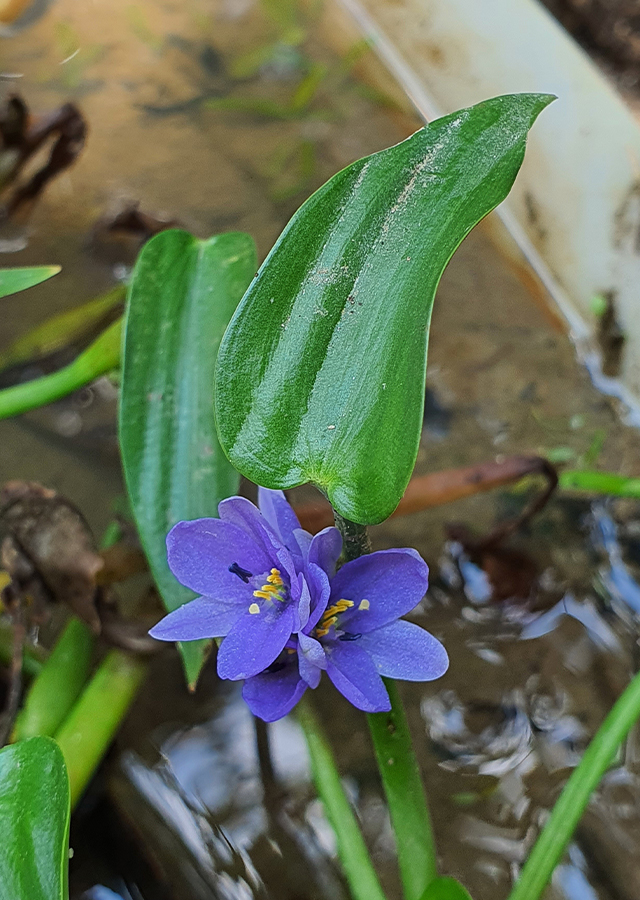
<point>330,616</point>
<point>254,609</point>
<point>274,578</point>
<point>364,604</point>
<point>272,589</point>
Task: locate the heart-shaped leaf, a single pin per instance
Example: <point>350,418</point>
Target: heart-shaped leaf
<point>14,280</point>
<point>34,821</point>
<point>446,889</point>
<point>321,374</point>
<point>182,295</point>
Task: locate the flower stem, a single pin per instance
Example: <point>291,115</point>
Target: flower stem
<point>405,795</point>
<point>355,538</point>
<point>398,766</point>
<point>556,834</point>
<point>87,732</point>
<point>352,849</point>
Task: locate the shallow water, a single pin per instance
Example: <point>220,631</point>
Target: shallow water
<point>189,803</point>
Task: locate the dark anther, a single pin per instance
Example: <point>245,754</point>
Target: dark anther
<point>240,572</point>
<point>349,637</point>
<point>276,667</point>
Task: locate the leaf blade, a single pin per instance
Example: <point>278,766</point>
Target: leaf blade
<point>14,280</point>
<point>173,463</point>
<point>446,889</point>
<point>34,818</point>
<point>290,408</point>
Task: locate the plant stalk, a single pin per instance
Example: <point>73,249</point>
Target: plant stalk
<point>398,766</point>
<point>85,735</point>
<point>59,683</point>
<point>355,538</point>
<point>405,795</point>
<point>102,356</point>
<point>352,849</point>
<point>558,830</point>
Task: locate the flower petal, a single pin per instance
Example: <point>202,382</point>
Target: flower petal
<point>311,659</point>
<point>325,550</point>
<point>201,551</point>
<point>303,606</point>
<point>303,540</point>
<point>354,674</point>
<point>255,641</point>
<point>320,590</point>
<point>271,695</point>
<point>405,651</point>
<point>392,581</point>
<point>200,618</point>
<point>281,517</point>
<point>241,512</point>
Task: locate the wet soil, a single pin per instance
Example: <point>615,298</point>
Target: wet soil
<point>189,803</point>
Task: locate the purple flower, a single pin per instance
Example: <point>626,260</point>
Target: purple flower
<point>260,576</point>
<point>269,589</point>
<point>356,640</point>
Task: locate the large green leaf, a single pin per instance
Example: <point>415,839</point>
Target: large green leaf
<point>34,821</point>
<point>14,280</point>
<point>321,374</point>
<point>446,889</point>
<point>182,295</point>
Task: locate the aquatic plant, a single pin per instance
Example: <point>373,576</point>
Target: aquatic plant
<point>317,376</point>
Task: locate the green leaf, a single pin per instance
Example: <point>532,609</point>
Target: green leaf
<point>59,683</point>
<point>86,733</point>
<point>321,374</point>
<point>599,483</point>
<point>182,295</point>
<point>446,889</point>
<point>100,357</point>
<point>34,821</point>
<point>14,280</point>
<point>553,840</point>
<point>61,330</point>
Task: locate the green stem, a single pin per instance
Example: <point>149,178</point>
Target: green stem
<point>557,832</point>
<point>352,849</point>
<point>355,538</point>
<point>398,766</point>
<point>599,483</point>
<point>87,732</point>
<point>58,686</point>
<point>99,358</point>
<point>405,795</point>
<point>58,332</point>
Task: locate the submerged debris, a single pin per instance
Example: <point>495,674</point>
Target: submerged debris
<point>49,554</point>
<point>48,550</point>
<point>22,135</point>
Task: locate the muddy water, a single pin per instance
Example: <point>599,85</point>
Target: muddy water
<point>190,804</point>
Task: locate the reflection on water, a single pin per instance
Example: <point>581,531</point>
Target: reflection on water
<point>229,813</point>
